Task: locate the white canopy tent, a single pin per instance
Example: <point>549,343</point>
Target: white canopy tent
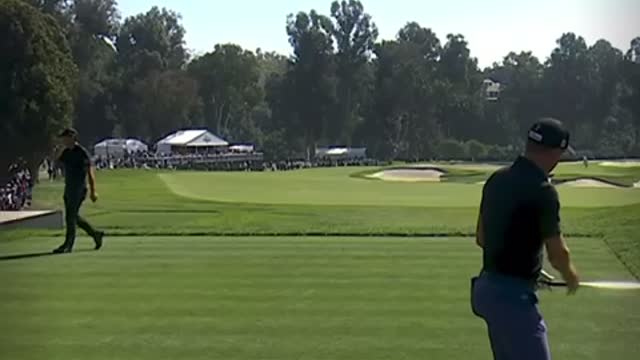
<point>341,153</point>
<point>242,148</point>
<point>191,141</point>
<point>118,147</point>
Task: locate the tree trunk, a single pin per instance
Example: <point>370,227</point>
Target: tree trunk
<point>4,169</point>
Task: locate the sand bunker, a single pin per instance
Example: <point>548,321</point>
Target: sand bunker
<point>408,175</point>
<point>637,185</point>
<point>420,165</point>
<point>622,163</point>
<point>457,165</point>
<point>589,183</point>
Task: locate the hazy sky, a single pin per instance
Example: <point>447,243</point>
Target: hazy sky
<point>492,27</point>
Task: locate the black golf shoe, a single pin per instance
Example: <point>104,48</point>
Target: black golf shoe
<point>62,250</point>
<point>98,239</point>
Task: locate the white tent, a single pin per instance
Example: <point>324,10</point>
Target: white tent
<point>341,153</point>
<point>242,148</point>
<point>118,147</point>
<point>190,139</point>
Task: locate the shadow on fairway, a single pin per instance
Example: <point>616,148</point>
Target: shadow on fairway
<point>35,255</point>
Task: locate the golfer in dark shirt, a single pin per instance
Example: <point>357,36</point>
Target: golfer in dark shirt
<point>519,216</point>
<point>77,166</point>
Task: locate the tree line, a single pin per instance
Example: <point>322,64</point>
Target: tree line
<point>414,97</point>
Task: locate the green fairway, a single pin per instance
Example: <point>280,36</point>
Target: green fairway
<point>328,201</point>
<point>285,298</point>
<point>164,287</point>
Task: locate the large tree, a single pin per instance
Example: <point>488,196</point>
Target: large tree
<point>355,34</point>
<point>414,97</point>
<point>456,63</point>
<point>605,66</point>
<point>59,9</point>
<point>98,18</point>
<point>36,82</point>
<point>270,64</point>
<point>94,28</point>
<point>566,84</point>
<point>279,139</point>
<point>310,79</point>
<point>267,129</point>
<point>518,106</point>
<point>407,90</point>
<point>50,6</point>
<point>461,109</point>
<point>229,87</point>
<point>155,38</point>
<point>630,97</point>
<point>150,51</point>
<point>165,101</point>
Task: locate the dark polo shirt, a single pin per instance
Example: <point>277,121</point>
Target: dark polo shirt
<point>520,209</point>
<point>76,163</point>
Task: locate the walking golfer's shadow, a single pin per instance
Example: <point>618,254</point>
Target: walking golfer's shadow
<point>34,255</point>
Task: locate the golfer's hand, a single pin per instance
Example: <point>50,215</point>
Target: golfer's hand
<point>94,196</point>
<point>573,282</point>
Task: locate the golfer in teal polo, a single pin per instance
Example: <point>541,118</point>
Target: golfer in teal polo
<point>519,216</point>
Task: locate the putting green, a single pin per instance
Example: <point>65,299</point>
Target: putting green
<point>336,187</point>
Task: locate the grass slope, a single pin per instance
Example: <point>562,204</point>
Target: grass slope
<point>330,202</point>
<point>284,298</point>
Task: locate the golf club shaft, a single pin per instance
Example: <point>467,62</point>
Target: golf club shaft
<point>597,284</point>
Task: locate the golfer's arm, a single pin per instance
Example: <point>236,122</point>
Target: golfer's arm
<point>480,232</point>
<point>58,155</point>
<point>559,255</point>
<point>92,179</point>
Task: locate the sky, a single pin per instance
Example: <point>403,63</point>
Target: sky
<point>492,28</point>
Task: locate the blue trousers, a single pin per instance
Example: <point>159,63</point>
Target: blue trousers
<point>509,307</point>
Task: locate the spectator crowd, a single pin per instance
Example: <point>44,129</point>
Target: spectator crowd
<point>208,161</point>
<point>228,161</point>
<point>16,191</point>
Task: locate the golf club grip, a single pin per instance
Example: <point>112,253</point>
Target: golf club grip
<point>555,283</point>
